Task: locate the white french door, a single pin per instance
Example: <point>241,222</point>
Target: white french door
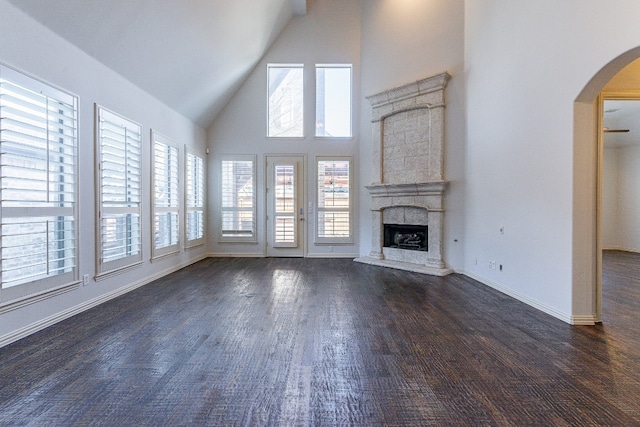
<point>285,206</point>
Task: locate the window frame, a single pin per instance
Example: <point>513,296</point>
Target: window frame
<point>253,238</point>
<point>201,178</point>
<point>172,248</point>
<point>302,100</point>
<point>334,66</point>
<point>48,283</point>
<point>322,240</point>
<point>123,263</point>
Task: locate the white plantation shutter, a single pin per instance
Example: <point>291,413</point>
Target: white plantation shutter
<point>238,202</point>
<point>166,196</point>
<point>334,218</point>
<point>119,191</point>
<point>195,200</point>
<point>38,185</point>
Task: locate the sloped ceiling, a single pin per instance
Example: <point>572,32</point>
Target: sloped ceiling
<point>190,54</point>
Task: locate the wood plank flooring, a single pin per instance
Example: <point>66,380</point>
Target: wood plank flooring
<point>327,342</point>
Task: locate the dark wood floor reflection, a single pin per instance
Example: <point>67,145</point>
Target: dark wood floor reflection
<point>327,342</point>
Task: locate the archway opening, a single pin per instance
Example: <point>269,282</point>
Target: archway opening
<point>587,192</point>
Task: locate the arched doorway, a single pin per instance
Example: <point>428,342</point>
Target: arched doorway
<point>587,192</point>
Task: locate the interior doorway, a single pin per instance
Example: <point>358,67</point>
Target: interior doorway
<point>619,175</point>
<point>616,75</point>
<point>286,225</point>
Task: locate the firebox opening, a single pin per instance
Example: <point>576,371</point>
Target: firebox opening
<point>402,236</point>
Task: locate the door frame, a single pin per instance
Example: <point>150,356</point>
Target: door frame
<point>303,225</point>
<point>615,95</point>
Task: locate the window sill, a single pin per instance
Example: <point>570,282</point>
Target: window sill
<point>107,274</point>
<point>37,297</point>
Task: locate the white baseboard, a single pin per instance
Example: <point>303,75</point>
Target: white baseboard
<point>332,255</point>
<point>619,248</point>
<point>235,255</point>
<point>58,317</point>
<point>572,320</point>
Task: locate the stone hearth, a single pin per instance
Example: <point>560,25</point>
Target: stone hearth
<point>408,165</point>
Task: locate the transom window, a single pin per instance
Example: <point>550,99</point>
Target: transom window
<point>333,101</point>
<point>285,100</point>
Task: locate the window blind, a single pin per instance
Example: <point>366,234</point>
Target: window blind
<point>120,181</point>
<point>166,220</point>
<point>195,198</point>
<point>238,198</point>
<point>38,185</point>
<point>334,201</point>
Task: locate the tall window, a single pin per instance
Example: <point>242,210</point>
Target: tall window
<point>285,98</point>
<point>38,212</point>
<point>195,199</point>
<point>166,196</point>
<point>334,220</point>
<point>333,101</point>
<point>119,150</point>
<point>238,202</point>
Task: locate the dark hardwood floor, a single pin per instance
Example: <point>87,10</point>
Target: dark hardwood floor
<point>328,342</point>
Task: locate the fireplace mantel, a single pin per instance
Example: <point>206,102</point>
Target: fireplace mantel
<point>434,188</point>
<point>408,172</point>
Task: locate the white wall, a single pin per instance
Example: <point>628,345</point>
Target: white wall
<point>621,199</point>
<point>611,232</point>
<point>33,49</point>
<point>328,34</point>
<point>526,64</point>
<point>405,41</point>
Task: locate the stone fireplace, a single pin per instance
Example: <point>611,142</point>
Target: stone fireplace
<point>408,177</point>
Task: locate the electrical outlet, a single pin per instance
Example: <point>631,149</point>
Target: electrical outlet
<point>85,280</point>
<point>492,265</point>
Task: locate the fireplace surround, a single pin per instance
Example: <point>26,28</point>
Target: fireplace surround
<point>408,184</point>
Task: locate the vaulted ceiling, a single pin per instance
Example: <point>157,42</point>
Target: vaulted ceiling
<point>190,54</point>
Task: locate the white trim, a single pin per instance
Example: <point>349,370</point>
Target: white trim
<point>332,255</point>
<point>334,66</point>
<point>319,241</point>
<point>197,154</point>
<point>236,255</point>
<point>567,318</point>
<point>37,297</point>
<point>268,109</point>
<point>58,317</point>
<point>124,263</point>
<point>621,249</point>
<point>158,138</point>
<point>253,238</point>
<point>110,273</point>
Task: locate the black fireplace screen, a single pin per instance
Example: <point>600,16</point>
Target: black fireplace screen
<point>402,236</point>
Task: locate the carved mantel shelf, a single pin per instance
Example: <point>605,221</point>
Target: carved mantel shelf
<point>434,188</point>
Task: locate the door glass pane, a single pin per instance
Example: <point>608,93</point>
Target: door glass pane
<point>285,203</point>
<point>285,189</point>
